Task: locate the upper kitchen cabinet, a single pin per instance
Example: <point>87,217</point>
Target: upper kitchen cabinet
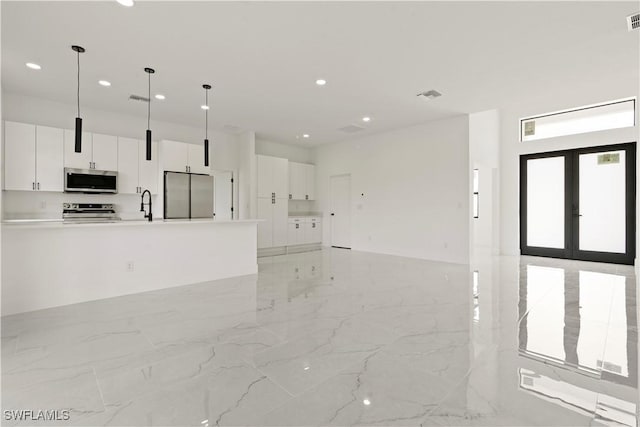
<point>183,157</point>
<point>82,160</point>
<point>49,159</point>
<point>310,182</point>
<point>98,151</point>
<point>135,172</point>
<point>302,181</point>
<point>33,157</point>
<point>175,156</point>
<point>128,166</point>
<point>105,152</point>
<point>273,177</point>
<point>196,159</point>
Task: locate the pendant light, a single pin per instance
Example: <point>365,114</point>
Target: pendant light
<point>206,124</point>
<point>78,144</point>
<point>149,71</point>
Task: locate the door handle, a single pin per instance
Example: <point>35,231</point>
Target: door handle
<point>38,186</point>
<point>33,185</point>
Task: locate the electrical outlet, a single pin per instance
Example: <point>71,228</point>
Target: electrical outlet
<point>130,266</point>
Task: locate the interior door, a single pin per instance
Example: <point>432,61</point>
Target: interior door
<point>579,204</point>
<point>340,211</point>
<point>223,194</point>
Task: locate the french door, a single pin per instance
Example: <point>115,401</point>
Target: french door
<point>579,204</point>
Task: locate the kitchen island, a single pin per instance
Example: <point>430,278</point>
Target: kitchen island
<point>51,263</point>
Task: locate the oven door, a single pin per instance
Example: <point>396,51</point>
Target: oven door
<point>90,181</point>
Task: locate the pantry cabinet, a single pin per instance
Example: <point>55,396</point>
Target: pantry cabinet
<point>302,181</point>
<point>273,207</point>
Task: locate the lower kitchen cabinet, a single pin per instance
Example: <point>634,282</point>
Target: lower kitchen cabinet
<point>304,231</point>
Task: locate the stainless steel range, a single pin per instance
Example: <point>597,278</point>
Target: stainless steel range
<point>89,212</point>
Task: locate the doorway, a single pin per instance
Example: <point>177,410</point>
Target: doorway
<point>579,204</point>
<point>340,209</point>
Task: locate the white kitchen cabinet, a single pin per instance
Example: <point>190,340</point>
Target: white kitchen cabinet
<point>33,157</point>
<point>49,159</point>
<point>128,166</point>
<point>135,172</point>
<point>148,169</point>
<point>304,231</point>
<point>294,233</point>
<point>265,228</point>
<point>82,160</point>
<point>310,182</point>
<point>280,215</point>
<point>174,155</point>
<point>19,156</point>
<point>272,232</point>
<point>105,152</point>
<point>296,181</point>
<point>273,177</point>
<point>196,159</point>
<point>182,157</point>
<point>98,151</point>
<point>302,178</point>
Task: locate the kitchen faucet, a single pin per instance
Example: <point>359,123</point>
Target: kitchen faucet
<point>142,203</point>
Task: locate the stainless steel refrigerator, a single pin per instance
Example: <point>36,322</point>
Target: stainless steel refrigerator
<point>187,195</point>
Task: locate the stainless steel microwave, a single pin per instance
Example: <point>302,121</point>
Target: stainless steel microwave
<point>90,181</point>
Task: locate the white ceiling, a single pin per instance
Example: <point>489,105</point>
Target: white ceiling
<point>263,58</point>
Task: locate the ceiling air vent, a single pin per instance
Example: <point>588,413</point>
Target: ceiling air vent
<point>430,94</point>
<point>351,129</point>
<point>633,21</point>
<point>138,98</point>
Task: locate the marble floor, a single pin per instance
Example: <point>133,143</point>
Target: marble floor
<point>338,337</point>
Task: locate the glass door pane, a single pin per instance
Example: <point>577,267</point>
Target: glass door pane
<point>602,193</point>
<point>546,202</point>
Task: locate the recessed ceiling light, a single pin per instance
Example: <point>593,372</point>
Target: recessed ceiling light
<point>366,119</point>
<point>321,82</point>
<point>104,83</point>
<point>204,107</point>
<point>160,96</point>
<point>33,66</point>
<point>366,402</point>
<point>306,135</point>
<point>127,3</point>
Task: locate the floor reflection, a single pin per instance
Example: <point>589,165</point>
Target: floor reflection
<point>582,319</point>
<point>584,322</point>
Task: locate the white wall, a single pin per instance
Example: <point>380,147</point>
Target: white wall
<point>484,155</point>
<point>247,179</point>
<point>285,151</point>
<point>21,108</point>
<point>410,190</point>
<point>510,148</point>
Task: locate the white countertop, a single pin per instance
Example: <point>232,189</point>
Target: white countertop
<point>58,223</point>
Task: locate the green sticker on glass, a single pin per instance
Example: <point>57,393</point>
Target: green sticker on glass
<point>608,158</point>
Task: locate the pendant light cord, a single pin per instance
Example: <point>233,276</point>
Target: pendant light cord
<point>78,55</point>
<point>206,114</point>
<point>149,105</point>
